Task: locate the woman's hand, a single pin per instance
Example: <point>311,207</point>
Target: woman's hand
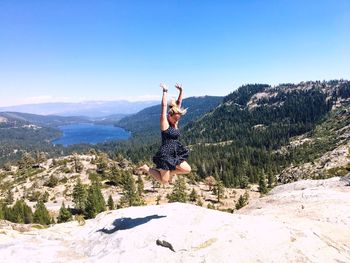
<point>179,99</point>
<point>178,86</point>
<point>164,87</point>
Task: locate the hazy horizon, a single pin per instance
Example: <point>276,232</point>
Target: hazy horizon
<point>145,98</point>
<point>78,102</point>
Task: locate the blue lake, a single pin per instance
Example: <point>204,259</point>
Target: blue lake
<point>90,133</point>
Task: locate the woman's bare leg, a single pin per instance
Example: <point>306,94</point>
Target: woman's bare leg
<point>155,174</point>
<point>182,168</point>
<point>163,176</point>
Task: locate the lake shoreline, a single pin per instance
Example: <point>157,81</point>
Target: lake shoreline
<point>90,133</point>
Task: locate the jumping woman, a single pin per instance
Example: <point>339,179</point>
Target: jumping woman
<point>172,155</point>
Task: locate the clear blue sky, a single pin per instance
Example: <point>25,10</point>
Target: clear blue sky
<point>102,50</point>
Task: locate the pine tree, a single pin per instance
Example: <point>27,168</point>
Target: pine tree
<point>18,212</point>
<point>102,163</point>
<point>242,200</point>
<point>64,215</point>
<point>158,199</point>
<point>16,215</point>
<point>179,192</point>
<point>8,215</point>
<point>220,190</point>
<point>41,214</point>
<point>26,161</point>
<point>116,176</point>
<point>110,203</point>
<point>45,196</point>
<point>210,206</point>
<point>270,180</point>
<point>262,184</point>
<point>210,181</point>
<point>40,157</point>
<point>79,196</point>
<point>200,202</point>
<point>95,202</point>
<point>53,181</point>
<point>193,195</point>
<point>130,195</point>
<point>140,186</point>
<point>2,214</point>
<point>244,182</point>
<point>28,214</point>
<point>9,198</point>
<point>78,166</point>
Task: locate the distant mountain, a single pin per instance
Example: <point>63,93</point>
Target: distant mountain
<point>49,120</point>
<point>110,119</point>
<point>147,120</point>
<point>18,135</point>
<point>24,132</point>
<point>89,108</point>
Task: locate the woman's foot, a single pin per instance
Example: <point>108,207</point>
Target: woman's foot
<point>144,168</point>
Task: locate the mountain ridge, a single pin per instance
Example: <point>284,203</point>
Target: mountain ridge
<point>256,126</point>
<point>87,108</point>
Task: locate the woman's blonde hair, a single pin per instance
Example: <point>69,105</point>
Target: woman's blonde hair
<point>173,108</point>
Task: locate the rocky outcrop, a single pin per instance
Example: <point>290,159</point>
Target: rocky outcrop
<point>332,162</point>
<point>306,221</point>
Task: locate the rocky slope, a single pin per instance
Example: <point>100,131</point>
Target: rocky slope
<point>306,221</point>
<point>327,148</point>
<point>35,183</point>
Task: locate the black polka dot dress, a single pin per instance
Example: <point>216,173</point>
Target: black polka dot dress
<point>171,152</point>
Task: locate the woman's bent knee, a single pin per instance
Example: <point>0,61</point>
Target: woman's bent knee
<point>185,167</point>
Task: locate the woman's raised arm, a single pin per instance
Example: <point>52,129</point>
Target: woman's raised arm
<point>164,124</point>
<point>179,99</point>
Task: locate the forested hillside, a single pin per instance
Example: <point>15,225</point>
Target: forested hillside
<point>18,136</point>
<point>44,120</point>
<point>239,140</point>
<point>24,133</point>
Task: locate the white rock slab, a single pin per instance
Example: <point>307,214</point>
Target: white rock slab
<point>305,222</point>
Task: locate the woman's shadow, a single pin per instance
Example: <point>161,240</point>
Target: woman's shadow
<point>127,223</point>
